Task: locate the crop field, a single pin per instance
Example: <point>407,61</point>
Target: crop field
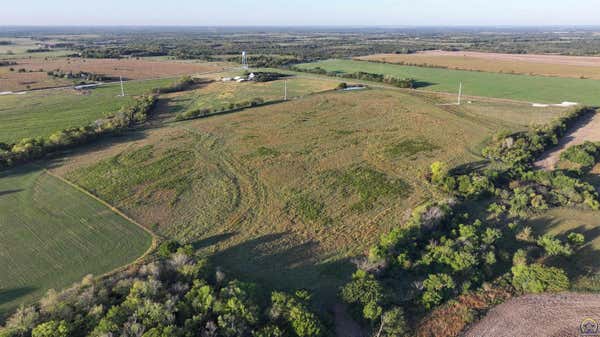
<point>129,69</point>
<point>218,95</point>
<point>40,113</point>
<point>286,193</point>
<point>19,46</point>
<point>537,89</point>
<point>528,64</point>
<point>52,235</point>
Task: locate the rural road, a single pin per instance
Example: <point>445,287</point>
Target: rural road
<point>587,129</point>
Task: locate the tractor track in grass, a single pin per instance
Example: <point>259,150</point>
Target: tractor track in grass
<point>155,238</point>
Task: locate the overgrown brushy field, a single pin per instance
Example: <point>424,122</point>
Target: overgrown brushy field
<point>218,95</point>
<point>518,87</point>
<point>545,65</point>
<point>44,112</point>
<point>285,194</point>
<point>53,235</point>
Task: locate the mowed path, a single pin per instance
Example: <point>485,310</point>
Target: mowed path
<point>547,315</point>
<point>588,129</point>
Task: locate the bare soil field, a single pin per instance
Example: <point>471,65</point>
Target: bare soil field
<point>588,129</point>
<point>547,315</point>
<point>548,65</point>
<point>130,69</point>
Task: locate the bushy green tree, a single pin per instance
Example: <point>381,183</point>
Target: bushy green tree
<point>51,329</point>
<point>536,278</point>
<point>437,287</point>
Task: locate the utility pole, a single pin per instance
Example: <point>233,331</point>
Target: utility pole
<point>285,90</point>
<point>460,93</point>
<point>122,89</point>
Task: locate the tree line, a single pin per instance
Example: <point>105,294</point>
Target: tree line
<point>361,75</point>
<point>444,255</point>
<point>176,295</point>
<point>32,148</point>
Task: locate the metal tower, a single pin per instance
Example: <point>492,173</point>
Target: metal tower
<point>244,60</point>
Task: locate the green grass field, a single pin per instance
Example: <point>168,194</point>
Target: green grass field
<point>518,87</point>
<point>40,113</point>
<point>286,194</point>
<point>52,235</point>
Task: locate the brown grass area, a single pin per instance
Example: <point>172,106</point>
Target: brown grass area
<point>245,172</point>
<point>547,65</point>
<point>546,315</point>
<point>131,69</point>
<point>452,318</point>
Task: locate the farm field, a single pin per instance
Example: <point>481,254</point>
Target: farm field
<point>528,64</point>
<point>19,46</point>
<point>218,95</point>
<point>538,315</point>
<point>537,89</point>
<point>286,194</point>
<point>129,69</point>
<point>40,113</point>
<point>52,235</point>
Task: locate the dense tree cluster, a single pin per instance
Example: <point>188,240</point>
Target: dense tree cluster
<point>517,151</point>
<point>580,158</point>
<point>441,252</point>
<point>184,83</point>
<point>267,76</point>
<point>81,75</point>
<point>176,295</point>
<point>388,79</point>
<point>28,149</point>
<point>204,112</point>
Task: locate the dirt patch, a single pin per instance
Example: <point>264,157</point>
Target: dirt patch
<point>587,129</point>
<point>548,315</point>
<point>130,69</point>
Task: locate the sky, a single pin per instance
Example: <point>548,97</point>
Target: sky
<point>301,13</point>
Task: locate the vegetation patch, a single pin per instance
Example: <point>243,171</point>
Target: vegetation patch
<point>370,185</point>
<point>307,208</point>
<point>264,151</point>
<point>410,148</point>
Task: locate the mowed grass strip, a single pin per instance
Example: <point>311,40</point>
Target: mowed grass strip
<point>537,89</point>
<point>43,112</point>
<point>52,235</point>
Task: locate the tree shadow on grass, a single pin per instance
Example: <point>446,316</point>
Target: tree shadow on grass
<point>422,84</point>
<point>10,295</point>
<point>6,192</point>
<point>585,259</point>
<point>213,240</point>
<point>277,261</point>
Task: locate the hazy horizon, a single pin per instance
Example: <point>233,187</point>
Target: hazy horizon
<point>311,13</point>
